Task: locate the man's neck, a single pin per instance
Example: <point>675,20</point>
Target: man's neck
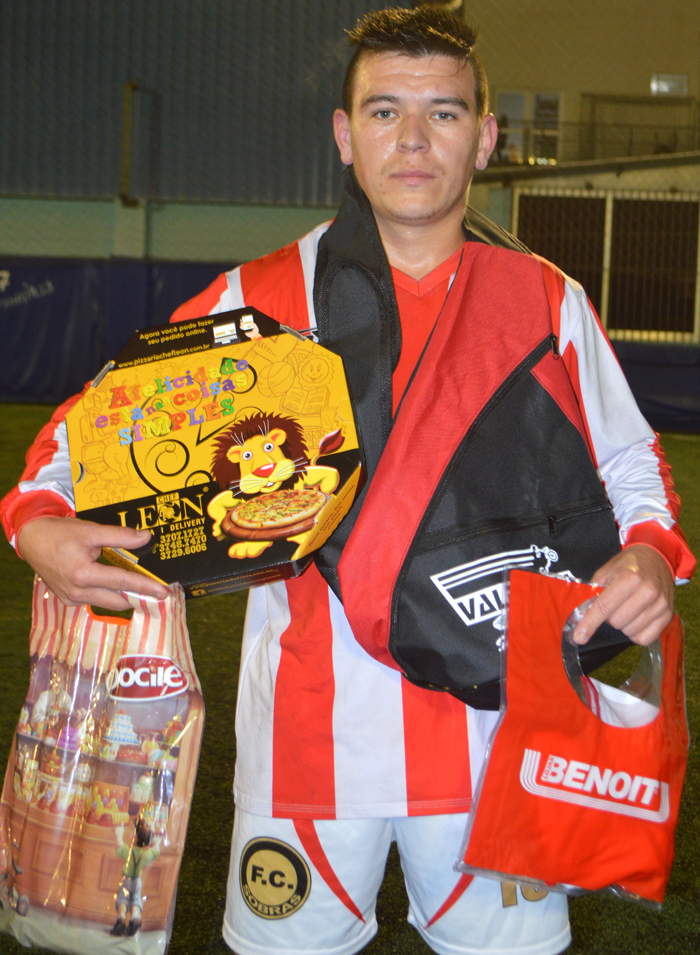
<point>418,249</point>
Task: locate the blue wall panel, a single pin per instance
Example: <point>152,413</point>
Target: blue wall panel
<point>60,321</point>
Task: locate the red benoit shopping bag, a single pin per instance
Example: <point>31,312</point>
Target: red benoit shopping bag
<point>566,799</point>
<point>98,788</point>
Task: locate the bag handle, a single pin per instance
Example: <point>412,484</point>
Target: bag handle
<point>644,684</point>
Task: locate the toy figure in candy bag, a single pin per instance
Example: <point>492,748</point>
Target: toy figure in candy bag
<point>144,849</point>
<point>53,705</point>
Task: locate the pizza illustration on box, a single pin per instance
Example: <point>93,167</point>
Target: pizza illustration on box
<point>271,487</point>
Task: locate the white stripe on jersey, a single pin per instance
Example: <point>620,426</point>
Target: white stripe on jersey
<point>622,439</point>
<point>480,726</point>
<point>370,764</point>
<point>235,293</point>
<point>308,247</point>
<point>267,617</point>
<point>636,493</point>
<point>55,476</point>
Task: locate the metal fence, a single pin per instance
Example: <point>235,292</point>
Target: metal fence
<point>572,142</point>
<point>635,253</point>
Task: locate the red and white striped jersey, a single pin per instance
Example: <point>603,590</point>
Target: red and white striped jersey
<point>323,729</point>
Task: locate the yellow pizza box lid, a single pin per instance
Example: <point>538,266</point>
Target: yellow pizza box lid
<point>230,437</point>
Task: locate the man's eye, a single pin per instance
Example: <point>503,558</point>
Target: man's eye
<point>444,116</point>
<point>384,113</point>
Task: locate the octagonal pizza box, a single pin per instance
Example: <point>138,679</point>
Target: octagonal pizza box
<point>230,438</point>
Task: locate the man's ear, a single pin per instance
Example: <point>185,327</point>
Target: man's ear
<point>341,131</point>
<point>488,134</point>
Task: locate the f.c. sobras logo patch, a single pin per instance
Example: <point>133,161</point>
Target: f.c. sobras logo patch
<point>138,678</point>
<point>275,879</point>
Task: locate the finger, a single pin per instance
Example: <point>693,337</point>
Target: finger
<point>652,632</point>
<point>118,579</point>
<point>648,625</point>
<point>638,595</point>
<point>85,582</point>
<point>589,623</point>
<point>603,607</point>
<point>631,609</point>
<point>100,597</point>
<point>102,535</point>
<point>93,596</point>
<point>107,599</point>
<point>624,598</point>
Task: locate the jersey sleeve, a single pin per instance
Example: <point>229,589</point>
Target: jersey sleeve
<point>45,488</point>
<point>627,453</point>
<point>279,284</point>
<point>214,299</point>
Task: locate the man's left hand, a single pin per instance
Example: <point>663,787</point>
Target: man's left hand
<point>638,596</point>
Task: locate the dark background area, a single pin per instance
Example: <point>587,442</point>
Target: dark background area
<point>216,117</point>
<point>653,266</point>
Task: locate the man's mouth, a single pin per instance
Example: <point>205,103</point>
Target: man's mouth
<point>410,174</point>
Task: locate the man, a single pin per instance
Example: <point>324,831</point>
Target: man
<point>338,753</point>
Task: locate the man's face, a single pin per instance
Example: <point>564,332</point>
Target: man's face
<point>413,136</point>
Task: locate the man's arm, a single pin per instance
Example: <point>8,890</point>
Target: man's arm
<point>64,552</point>
<point>638,596</point>
<point>38,518</point>
<point>38,515</point>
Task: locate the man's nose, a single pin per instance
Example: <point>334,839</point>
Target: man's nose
<point>413,134</point>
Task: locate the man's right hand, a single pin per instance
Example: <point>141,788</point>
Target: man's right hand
<point>64,552</point>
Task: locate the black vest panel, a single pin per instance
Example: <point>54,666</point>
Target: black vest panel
<point>520,491</point>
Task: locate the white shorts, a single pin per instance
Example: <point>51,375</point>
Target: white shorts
<point>298,887</point>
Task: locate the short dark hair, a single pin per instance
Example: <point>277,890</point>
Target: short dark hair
<point>423,31</point>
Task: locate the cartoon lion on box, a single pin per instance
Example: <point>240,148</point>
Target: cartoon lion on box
<point>271,487</point>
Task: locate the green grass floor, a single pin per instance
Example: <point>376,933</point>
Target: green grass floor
<point>601,925</point>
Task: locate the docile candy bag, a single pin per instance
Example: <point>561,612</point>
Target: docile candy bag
<point>97,792</point>
<point>582,783</point>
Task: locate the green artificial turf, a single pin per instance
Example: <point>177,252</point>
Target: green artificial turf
<point>601,925</point>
